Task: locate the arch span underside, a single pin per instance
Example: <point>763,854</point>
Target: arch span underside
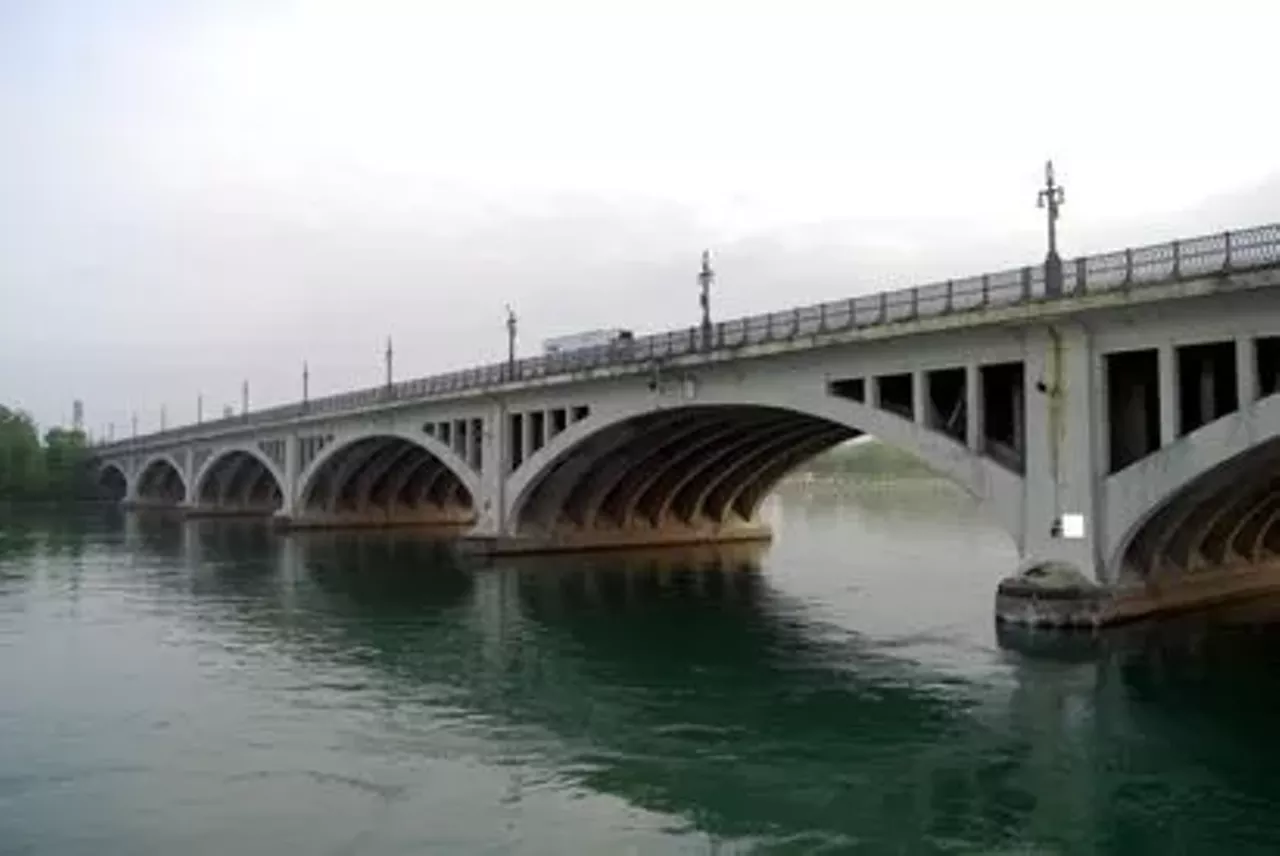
<point>682,475</point>
<point>111,483</point>
<point>161,483</point>
<point>239,482</point>
<point>381,481</point>
<point>1229,517</point>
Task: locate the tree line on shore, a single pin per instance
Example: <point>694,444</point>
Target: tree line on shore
<point>869,458</point>
<point>51,468</point>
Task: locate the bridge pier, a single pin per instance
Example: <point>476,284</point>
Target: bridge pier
<point>450,518</point>
<point>573,540</point>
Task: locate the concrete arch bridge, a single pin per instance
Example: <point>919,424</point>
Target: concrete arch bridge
<point>1123,425</point>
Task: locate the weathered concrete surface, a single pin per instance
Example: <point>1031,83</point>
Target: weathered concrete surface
<point>568,540</point>
<point>140,504</point>
<point>377,518</point>
<point>1080,604</point>
<point>232,511</point>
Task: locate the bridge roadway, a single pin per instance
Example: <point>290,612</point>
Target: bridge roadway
<point>1122,430</point>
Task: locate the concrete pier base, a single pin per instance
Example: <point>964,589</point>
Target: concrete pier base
<point>578,540</point>
<point>151,506</point>
<point>204,511</point>
<point>1058,597</point>
<point>433,518</point>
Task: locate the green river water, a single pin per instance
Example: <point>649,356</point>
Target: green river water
<point>218,688</point>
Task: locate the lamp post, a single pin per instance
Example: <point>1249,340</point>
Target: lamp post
<point>306,385</point>
<point>389,357</point>
<point>244,399</point>
<point>706,276</point>
<point>163,418</point>
<point>1051,198</point>
<point>511,343</point>
<point>199,408</point>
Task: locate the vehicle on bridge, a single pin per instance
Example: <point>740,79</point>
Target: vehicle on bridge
<point>613,339</point>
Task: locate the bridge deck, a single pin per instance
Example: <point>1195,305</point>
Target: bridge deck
<point>1161,271</point>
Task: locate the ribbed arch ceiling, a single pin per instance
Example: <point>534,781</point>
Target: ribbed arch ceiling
<point>239,479</point>
<point>693,467</point>
<point>386,474</point>
<point>161,482</point>
<point>1228,516</point>
<point>112,484</point>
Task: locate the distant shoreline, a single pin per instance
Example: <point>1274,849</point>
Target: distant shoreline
<point>868,459</point>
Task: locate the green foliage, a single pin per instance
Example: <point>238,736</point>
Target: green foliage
<point>30,470</point>
<point>869,459</point>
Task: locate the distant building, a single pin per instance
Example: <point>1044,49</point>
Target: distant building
<point>77,415</point>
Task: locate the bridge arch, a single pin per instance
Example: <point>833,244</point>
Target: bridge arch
<point>112,482</point>
<point>712,461</point>
<point>387,477</point>
<point>161,480</point>
<point>1210,498</point>
<point>239,477</point>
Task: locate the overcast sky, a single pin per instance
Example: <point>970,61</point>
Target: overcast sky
<point>195,193</point>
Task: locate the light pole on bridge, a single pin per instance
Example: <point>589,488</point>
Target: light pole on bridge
<point>135,425</point>
<point>163,418</point>
<point>244,398</point>
<point>705,277</point>
<point>199,407</point>
<point>511,342</point>
<point>389,357</point>
<point>1051,198</point>
<point>306,385</point>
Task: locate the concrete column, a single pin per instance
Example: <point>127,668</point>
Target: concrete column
<point>1246,371</point>
<point>491,518</point>
<point>873,391</point>
<point>1062,424</point>
<point>185,459</point>
<point>132,477</point>
<point>1020,419</point>
<point>973,401</point>
<point>292,465</point>
<point>1208,393</point>
<point>528,434</point>
<point>920,406</point>
<point>1167,393</point>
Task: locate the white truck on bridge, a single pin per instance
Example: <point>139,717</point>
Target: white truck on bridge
<point>587,339</point>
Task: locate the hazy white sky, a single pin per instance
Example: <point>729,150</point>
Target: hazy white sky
<point>194,193</point>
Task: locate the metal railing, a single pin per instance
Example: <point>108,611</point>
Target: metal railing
<point>1224,252</point>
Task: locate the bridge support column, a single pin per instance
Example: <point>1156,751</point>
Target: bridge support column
<point>973,399</point>
<point>1246,372</point>
<point>1167,373</point>
<point>292,466</point>
<point>495,457</point>
<point>132,478</point>
<point>1062,520</point>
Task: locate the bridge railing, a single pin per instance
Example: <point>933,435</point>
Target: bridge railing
<point>1223,252</point>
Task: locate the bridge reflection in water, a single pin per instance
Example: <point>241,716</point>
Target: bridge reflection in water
<point>689,684</point>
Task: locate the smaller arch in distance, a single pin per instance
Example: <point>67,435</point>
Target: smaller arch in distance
<point>111,482</point>
<point>221,455</point>
<point>470,478</point>
<point>165,460</point>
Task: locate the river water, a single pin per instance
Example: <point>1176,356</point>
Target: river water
<point>215,688</point>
